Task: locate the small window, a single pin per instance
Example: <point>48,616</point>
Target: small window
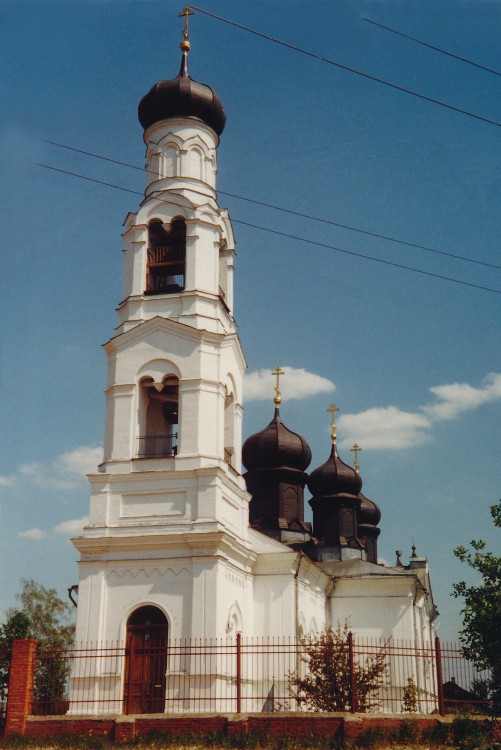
<point>166,257</point>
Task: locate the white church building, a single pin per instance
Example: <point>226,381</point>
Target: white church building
<point>192,532</point>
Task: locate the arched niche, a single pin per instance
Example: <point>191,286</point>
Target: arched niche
<point>145,661</point>
<point>166,261</point>
<point>195,163</point>
<point>234,621</point>
<point>158,416</point>
<point>170,161</point>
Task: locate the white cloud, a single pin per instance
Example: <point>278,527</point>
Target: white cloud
<point>45,477</point>
<point>71,527</point>
<point>384,427</point>
<point>295,383</point>
<point>456,398</point>
<point>392,428</point>
<point>33,534</point>
<point>81,461</point>
<point>63,474</point>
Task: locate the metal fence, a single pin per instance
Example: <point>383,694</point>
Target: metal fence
<point>256,675</point>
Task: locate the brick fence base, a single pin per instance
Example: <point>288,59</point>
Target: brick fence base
<point>268,726</point>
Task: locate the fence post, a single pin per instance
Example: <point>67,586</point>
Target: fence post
<point>353,686</point>
<point>239,673</point>
<point>440,680</point>
<point>21,680</point>
<point>129,660</point>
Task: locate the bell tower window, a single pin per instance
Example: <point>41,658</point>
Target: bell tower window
<point>161,404</point>
<point>166,257</point>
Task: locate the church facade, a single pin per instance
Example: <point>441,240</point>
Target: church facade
<point>191,534</point>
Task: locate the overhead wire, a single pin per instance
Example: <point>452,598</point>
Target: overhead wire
<point>432,46</point>
<point>292,212</point>
<point>287,235</point>
<point>347,68</point>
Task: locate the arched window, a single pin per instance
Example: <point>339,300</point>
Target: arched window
<point>146,661</point>
<point>161,405</point>
<point>166,257</point>
<point>229,428</point>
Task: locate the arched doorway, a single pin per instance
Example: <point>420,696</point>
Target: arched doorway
<point>145,661</point>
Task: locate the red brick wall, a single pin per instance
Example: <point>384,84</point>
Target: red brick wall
<point>271,726</point>
<point>21,676</point>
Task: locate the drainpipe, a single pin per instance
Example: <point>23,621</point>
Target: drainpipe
<point>328,598</point>
<point>299,560</point>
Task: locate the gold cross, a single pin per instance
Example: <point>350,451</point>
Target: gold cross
<point>277,400</point>
<point>356,448</point>
<point>186,12</point>
<point>333,409</point>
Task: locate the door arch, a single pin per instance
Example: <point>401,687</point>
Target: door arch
<point>146,661</point>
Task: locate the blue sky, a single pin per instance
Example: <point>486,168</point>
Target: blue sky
<point>412,361</point>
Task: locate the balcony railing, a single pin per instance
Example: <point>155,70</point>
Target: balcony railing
<point>155,446</point>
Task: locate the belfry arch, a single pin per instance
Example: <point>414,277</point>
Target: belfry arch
<point>158,417</point>
<point>166,265</point>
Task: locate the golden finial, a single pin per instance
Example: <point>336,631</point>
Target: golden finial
<point>185,44</point>
<point>333,409</point>
<point>278,399</point>
<point>356,448</point>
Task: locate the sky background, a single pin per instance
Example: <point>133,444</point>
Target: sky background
<point>412,361</point>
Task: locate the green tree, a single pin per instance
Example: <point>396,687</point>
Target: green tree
<point>324,683</point>
<point>44,616</point>
<point>480,635</point>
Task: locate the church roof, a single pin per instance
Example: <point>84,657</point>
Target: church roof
<point>334,477</point>
<point>182,97</point>
<point>368,513</point>
<point>275,447</point>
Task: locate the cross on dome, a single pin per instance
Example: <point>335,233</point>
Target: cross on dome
<point>333,409</point>
<point>356,448</point>
<point>186,12</point>
<point>278,396</point>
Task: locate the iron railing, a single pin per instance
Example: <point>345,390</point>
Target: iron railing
<point>249,675</point>
<point>155,446</point>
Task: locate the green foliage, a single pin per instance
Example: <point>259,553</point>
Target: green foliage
<point>326,684</point>
<point>481,632</point>
<point>45,617</point>
<point>469,734</point>
<point>437,734</point>
<point>410,703</point>
<point>408,731</point>
<point>50,616</point>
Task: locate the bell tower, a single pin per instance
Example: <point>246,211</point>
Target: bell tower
<point>170,481</point>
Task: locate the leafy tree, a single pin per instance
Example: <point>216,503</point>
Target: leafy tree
<point>480,635</point>
<point>326,684</point>
<point>46,617</point>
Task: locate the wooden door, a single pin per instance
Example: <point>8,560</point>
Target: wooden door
<point>145,662</point>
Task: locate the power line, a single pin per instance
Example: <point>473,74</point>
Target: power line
<point>431,46</point>
<point>291,211</point>
<point>289,236</point>
<point>349,69</point>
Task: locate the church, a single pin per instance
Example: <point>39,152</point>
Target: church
<point>194,533</point>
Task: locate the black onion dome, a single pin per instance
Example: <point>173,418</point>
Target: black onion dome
<point>334,477</point>
<point>275,447</point>
<point>369,512</point>
<point>182,97</point>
